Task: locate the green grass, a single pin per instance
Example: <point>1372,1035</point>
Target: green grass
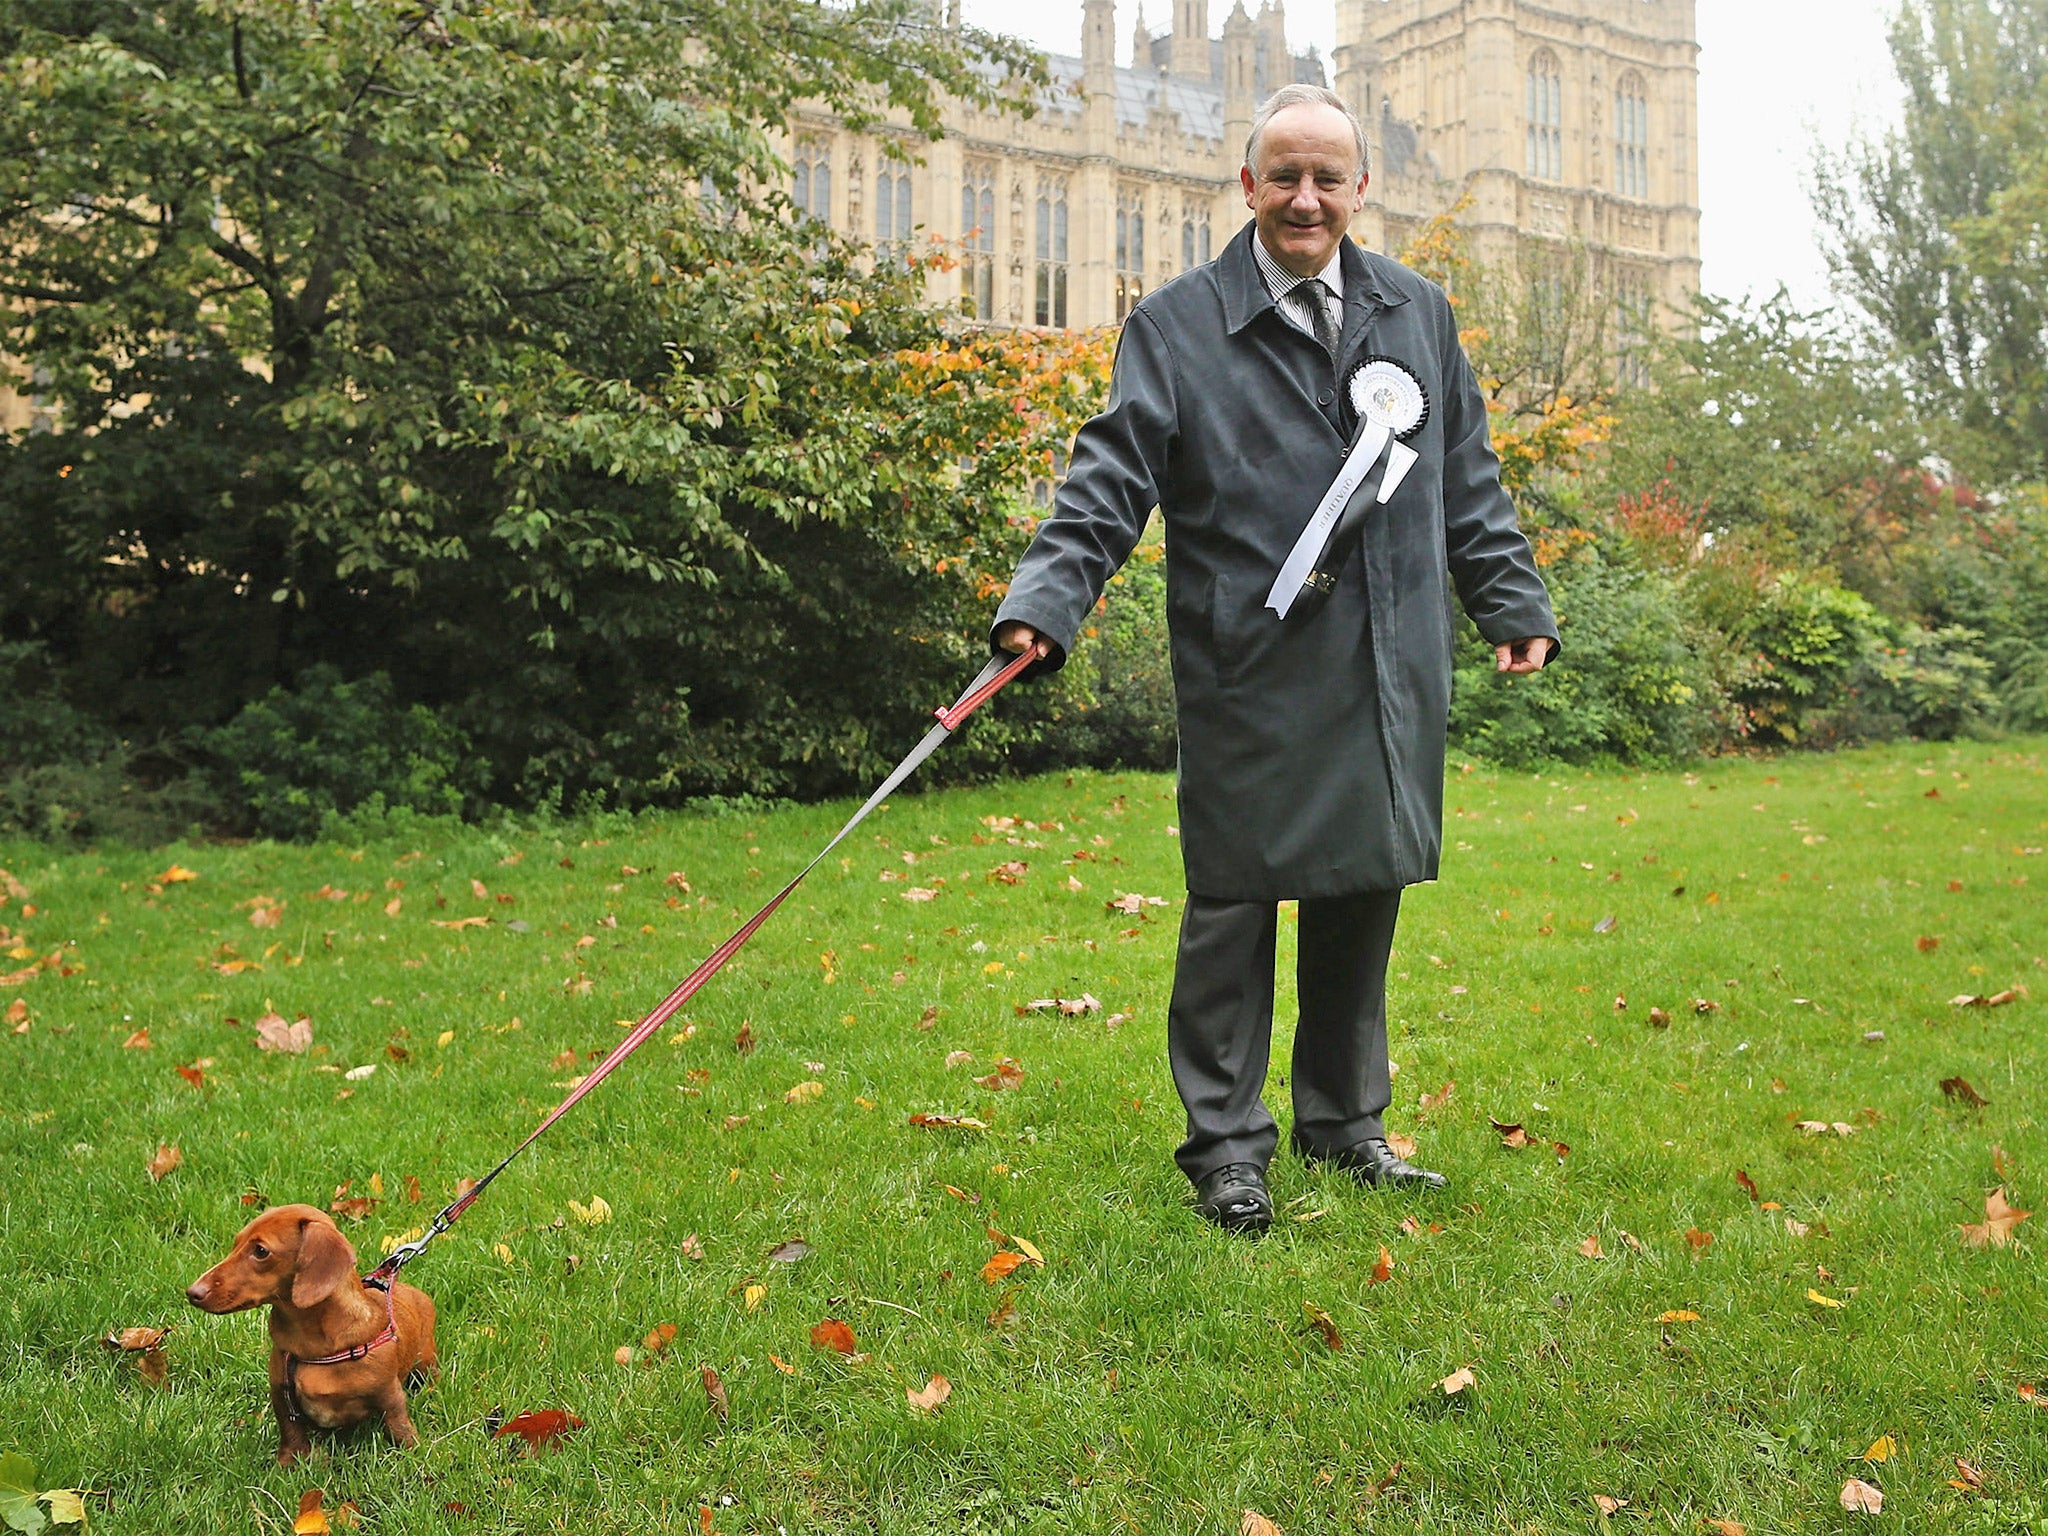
<point>1156,1376</point>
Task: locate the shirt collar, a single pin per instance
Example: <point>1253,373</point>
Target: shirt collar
<point>1280,282</point>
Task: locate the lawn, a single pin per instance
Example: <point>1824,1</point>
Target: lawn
<point>1638,1325</point>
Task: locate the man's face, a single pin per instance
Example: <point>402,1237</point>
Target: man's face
<point>1308,186</point>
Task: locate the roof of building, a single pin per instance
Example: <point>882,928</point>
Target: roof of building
<point>1198,104</point>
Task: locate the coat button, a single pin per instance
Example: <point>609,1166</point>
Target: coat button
<point>1324,398</point>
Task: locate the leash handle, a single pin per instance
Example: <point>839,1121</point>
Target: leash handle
<point>987,684</point>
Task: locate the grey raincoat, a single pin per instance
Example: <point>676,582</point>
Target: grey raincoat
<point>1311,749</point>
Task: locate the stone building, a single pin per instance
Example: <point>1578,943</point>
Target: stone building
<point>1566,128</point>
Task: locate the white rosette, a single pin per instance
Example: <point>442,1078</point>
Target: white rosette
<point>1391,405</point>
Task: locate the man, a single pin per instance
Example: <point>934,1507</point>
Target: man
<point>1311,733</point>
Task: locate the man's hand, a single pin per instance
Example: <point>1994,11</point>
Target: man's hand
<point>1016,638</point>
<point>1522,655</point>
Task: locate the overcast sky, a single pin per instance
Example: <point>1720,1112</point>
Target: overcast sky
<point>1777,78</point>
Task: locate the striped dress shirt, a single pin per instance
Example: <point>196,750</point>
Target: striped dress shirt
<point>1294,295</point>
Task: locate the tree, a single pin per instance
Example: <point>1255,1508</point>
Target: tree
<point>461,342</point>
<point>1936,228</point>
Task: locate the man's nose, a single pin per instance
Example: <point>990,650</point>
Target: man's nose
<point>1306,199</point>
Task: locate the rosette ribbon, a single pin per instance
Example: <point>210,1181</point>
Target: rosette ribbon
<point>1392,406</point>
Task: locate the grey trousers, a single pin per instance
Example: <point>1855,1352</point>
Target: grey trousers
<point>1219,1027</point>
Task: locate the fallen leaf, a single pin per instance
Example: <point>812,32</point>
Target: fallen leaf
<point>1705,1005</point>
<point>1698,1240</point>
<point>743,1042</point>
<point>1659,1019</point>
<point>754,1296</point>
<point>153,1367</point>
<point>1009,873</point>
<point>659,1339</point>
<point>1605,925</point>
<point>595,1214</point>
<point>1133,903</point>
<point>274,1034</point>
<point>139,1041</point>
<point>1969,1478</point>
<point>1995,1231</point>
<point>177,874</point>
<point>1635,1243</point>
<point>359,1074</point>
<point>135,1340</point>
<point>1822,1127</point>
<point>539,1429</point>
<point>1678,1315</point>
<point>1383,1271</point>
<point>312,1520</point>
<point>193,1075</point>
<point>1824,1301</point>
<point>1591,1248</point>
<point>1385,1481</point>
<point>1608,1505</point>
<point>167,1158</point>
<point>834,1335</point>
<point>919,893</point>
<point>1512,1136</point>
<point>714,1394</point>
<point>67,1506</point>
<point>949,1122</point>
<point>803,1093</point>
<point>1324,1324</point>
<point>1959,1088</point>
<point>781,1365</point>
<point>1000,1267</point>
<point>1435,1100</point>
<point>1748,1184</point>
<point>1796,1227</point>
<point>2031,1394</point>
<point>1252,1523</point>
<point>1008,1073</point>
<point>1861,1498</point>
<point>929,1397</point>
<point>1411,1224</point>
<point>460,922</point>
<point>1926,943</point>
<point>1458,1381</point>
<point>928,1018</point>
<point>1883,1448</point>
<point>1029,1249</point>
<point>1995,1000</point>
<point>1727,1527</point>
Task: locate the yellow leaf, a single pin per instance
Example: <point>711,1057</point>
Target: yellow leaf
<point>312,1519</point>
<point>1679,1316</point>
<point>595,1214</point>
<point>445,1037</point>
<point>66,1506</point>
<point>803,1093</point>
<point>1029,1249</point>
<point>504,1254</point>
<point>1883,1448</point>
<point>178,874</point>
<point>756,1294</point>
<point>1823,1301</point>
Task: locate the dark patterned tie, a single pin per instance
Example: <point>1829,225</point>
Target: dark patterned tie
<point>1314,294</point>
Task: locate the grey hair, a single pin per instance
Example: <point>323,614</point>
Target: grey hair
<point>1300,94</point>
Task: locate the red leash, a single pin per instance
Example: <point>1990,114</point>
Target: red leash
<point>992,679</point>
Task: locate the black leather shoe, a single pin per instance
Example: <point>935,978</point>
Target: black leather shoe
<point>1234,1197</point>
<point>1374,1164</point>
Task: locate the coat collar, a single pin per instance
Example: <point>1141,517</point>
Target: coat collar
<point>1245,296</point>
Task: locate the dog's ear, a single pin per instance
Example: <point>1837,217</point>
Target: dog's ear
<point>325,1260</point>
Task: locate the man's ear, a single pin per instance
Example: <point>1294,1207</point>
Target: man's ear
<point>325,1260</point>
<point>1250,184</point>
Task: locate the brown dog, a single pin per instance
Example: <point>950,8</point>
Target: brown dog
<point>294,1260</point>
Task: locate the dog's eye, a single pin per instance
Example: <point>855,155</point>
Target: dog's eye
<point>259,1250</point>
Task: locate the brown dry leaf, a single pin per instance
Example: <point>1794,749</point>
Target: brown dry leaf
<point>743,1042</point>
<point>354,1209</point>
<point>312,1520</point>
<point>1401,1146</point>
<point>17,1013</point>
<point>1000,1267</point>
<point>834,1334</point>
<point>1861,1498</point>
<point>929,1017</point>
<point>139,1041</point>
<point>792,1252</point>
<point>1995,1000</point>
<point>659,1339</point>
<point>195,1075</point>
<point>135,1340</point>
<point>1008,1073</point>
<point>1512,1136</point>
<point>949,1122</point>
<point>153,1367</point>
<point>1927,943</point>
<point>1883,1448</point>
<point>177,874</point>
<point>1591,1248</point>
<point>1678,1315</point>
<point>266,915</point>
<point>1385,1481</point>
<point>1252,1523</point>
<point>1698,1240</point>
<point>1727,1527</point>
<point>782,1365</point>
<point>1969,1476</point>
<point>714,1393</point>
<point>1635,1243</point>
<point>929,1397</point>
<point>1383,1271</point>
<point>2031,1394</point>
<point>803,1093</point>
<point>1435,1100</point>
<point>1410,1225</point>
<point>1009,873</point>
<point>1134,904</point>
<point>1608,1505</point>
<point>167,1158</point>
<point>1659,1019</point>
<point>1959,1088</point>
<point>1796,1227</point>
<point>1324,1323</point>
<point>2001,1164</point>
<point>1995,1231</point>
<point>274,1034</point>
<point>1458,1381</point>
<point>1748,1184</point>
<point>539,1429</point>
<point>959,1059</point>
<point>460,922</point>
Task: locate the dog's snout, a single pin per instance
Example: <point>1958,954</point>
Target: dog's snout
<point>197,1292</point>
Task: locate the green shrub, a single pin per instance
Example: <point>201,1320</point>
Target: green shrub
<point>1633,682</point>
<point>294,760</point>
<point>113,798</point>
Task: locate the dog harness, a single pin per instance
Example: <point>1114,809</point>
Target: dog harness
<point>353,1353</point>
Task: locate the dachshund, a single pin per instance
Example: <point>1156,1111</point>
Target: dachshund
<point>339,1349</point>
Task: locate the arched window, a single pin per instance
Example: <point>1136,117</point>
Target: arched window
<point>978,237</point>
<point>892,203</point>
<point>1051,308</point>
<point>1546,117</point>
<point>1130,249</point>
<point>1633,311</point>
<point>1632,137</point>
<point>812,192</point>
<point>1194,236</point>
